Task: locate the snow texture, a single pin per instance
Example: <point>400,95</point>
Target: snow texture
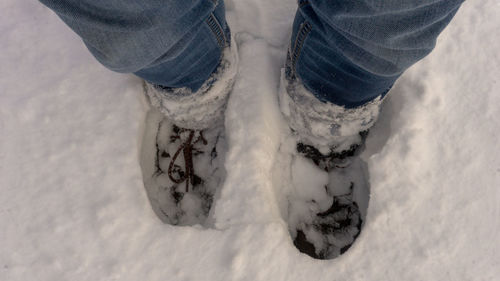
<point>73,205</point>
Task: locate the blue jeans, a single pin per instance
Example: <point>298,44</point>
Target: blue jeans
<point>349,52</point>
<point>174,43</point>
<point>345,52</point>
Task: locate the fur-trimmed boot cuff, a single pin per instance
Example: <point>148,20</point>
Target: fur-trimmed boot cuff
<point>202,108</point>
<point>324,125</point>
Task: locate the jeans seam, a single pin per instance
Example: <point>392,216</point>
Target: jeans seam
<point>304,30</point>
<point>217,30</point>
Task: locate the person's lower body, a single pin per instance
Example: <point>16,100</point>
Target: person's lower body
<point>183,51</point>
<point>343,55</point>
<point>343,58</point>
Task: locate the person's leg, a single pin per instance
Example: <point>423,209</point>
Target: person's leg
<point>181,48</point>
<point>350,53</point>
<point>344,56</point>
<point>173,43</point>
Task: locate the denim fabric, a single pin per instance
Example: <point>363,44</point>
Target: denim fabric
<point>345,52</point>
<point>174,43</point>
<point>350,52</point>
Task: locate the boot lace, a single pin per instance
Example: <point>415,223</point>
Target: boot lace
<point>187,148</point>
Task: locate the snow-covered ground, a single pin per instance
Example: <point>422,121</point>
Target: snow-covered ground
<point>73,207</point>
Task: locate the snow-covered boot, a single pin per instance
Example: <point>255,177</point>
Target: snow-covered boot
<point>182,155</point>
<point>329,191</point>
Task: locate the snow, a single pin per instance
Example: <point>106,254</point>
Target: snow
<point>73,206</point>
